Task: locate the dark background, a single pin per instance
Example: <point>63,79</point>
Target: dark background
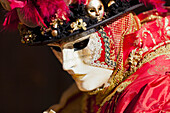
<point>31,78</point>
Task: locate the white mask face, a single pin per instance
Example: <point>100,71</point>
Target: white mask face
<point>76,57</point>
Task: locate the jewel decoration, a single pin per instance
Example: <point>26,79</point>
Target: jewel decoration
<point>79,24</point>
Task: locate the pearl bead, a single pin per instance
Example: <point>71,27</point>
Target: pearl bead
<point>54,33</point>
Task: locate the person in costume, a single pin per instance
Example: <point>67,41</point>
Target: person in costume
<point>120,61</point>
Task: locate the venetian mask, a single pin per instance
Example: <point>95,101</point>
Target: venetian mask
<point>95,9</point>
<point>83,59</point>
<point>91,58</point>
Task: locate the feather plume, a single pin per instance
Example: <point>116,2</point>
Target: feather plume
<point>27,9</point>
<point>11,20</point>
<point>17,3</point>
<point>29,12</point>
<point>37,10</point>
<point>48,8</point>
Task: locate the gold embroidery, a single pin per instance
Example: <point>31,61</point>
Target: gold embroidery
<point>168,57</point>
<point>144,34</point>
<point>122,86</point>
<point>112,53</point>
<point>157,69</point>
<point>135,58</point>
<point>152,62</point>
<point>150,18</point>
<point>167,28</point>
<point>163,50</point>
<point>166,22</point>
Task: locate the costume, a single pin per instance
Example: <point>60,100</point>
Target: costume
<point>137,48</point>
<point>146,89</point>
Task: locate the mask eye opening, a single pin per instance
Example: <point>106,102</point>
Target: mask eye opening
<point>81,45</point>
<point>92,10</point>
<point>100,8</point>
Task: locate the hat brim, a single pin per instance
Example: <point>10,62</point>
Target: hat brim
<point>90,29</point>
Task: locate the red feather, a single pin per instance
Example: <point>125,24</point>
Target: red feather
<point>48,8</point>
<point>29,12</point>
<point>27,8</point>
<point>37,10</point>
<point>11,20</point>
<point>17,3</point>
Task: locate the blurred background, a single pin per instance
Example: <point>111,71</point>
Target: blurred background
<point>31,78</point>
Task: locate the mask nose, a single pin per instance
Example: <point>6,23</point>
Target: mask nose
<point>97,13</point>
<point>69,59</point>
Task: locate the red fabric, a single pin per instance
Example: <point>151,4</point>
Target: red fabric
<point>114,30</point>
<point>149,93</point>
<point>148,36</point>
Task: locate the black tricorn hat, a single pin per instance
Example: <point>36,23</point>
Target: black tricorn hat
<point>73,21</point>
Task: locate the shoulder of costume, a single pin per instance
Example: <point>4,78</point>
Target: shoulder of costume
<point>153,34</point>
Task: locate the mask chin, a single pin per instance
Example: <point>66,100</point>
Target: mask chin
<point>94,78</point>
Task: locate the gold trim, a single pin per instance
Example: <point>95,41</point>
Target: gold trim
<point>163,50</point>
<point>150,18</point>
